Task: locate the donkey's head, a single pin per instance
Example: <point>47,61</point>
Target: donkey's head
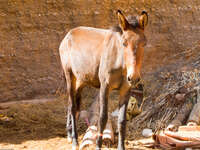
<point>133,41</point>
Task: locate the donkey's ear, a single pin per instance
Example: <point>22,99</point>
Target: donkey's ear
<point>122,21</point>
<point>143,20</point>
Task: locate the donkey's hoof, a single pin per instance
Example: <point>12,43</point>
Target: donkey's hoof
<point>75,147</point>
<point>121,148</point>
<point>69,139</point>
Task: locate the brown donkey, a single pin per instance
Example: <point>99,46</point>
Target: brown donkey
<point>105,59</point>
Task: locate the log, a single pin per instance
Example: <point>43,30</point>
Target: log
<point>184,135</point>
<point>168,142</point>
<point>195,114</point>
<point>91,135</point>
<point>108,133</point>
<point>181,116</point>
<point>91,117</point>
<point>189,128</point>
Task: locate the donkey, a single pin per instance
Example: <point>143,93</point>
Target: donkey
<point>106,59</point>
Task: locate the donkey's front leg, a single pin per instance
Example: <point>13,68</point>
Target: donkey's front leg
<point>123,102</point>
<point>122,126</point>
<point>103,97</point>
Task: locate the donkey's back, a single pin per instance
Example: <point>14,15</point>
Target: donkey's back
<point>80,52</point>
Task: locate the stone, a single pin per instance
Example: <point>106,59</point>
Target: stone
<point>147,132</point>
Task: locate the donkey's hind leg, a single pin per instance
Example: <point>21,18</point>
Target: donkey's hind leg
<point>71,109</point>
<point>77,96</point>
<point>79,88</point>
<point>69,124</point>
<point>103,99</point>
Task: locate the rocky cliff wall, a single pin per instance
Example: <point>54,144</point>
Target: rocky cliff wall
<point>31,31</point>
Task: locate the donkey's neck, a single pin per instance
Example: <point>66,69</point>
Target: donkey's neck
<point>112,56</point>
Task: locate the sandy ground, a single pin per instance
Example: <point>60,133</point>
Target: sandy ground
<point>57,143</point>
<point>40,125</point>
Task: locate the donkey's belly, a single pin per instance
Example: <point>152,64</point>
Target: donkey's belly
<point>89,79</point>
<point>87,74</point>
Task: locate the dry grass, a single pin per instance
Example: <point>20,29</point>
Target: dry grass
<point>162,106</point>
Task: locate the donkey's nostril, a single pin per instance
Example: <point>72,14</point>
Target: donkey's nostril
<point>129,79</point>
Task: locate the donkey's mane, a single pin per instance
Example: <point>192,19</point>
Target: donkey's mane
<point>133,21</point>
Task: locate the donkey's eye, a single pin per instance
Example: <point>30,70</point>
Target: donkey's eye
<point>135,52</point>
<point>125,43</point>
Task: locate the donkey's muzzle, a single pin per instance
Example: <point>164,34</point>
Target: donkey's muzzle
<point>134,82</point>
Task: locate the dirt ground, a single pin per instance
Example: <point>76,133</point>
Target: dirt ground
<point>40,125</point>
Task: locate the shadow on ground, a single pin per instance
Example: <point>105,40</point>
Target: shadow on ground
<point>39,125</point>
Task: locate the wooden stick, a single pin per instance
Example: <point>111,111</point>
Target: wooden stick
<point>195,114</point>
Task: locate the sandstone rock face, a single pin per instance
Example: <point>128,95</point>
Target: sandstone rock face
<point>31,31</point>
